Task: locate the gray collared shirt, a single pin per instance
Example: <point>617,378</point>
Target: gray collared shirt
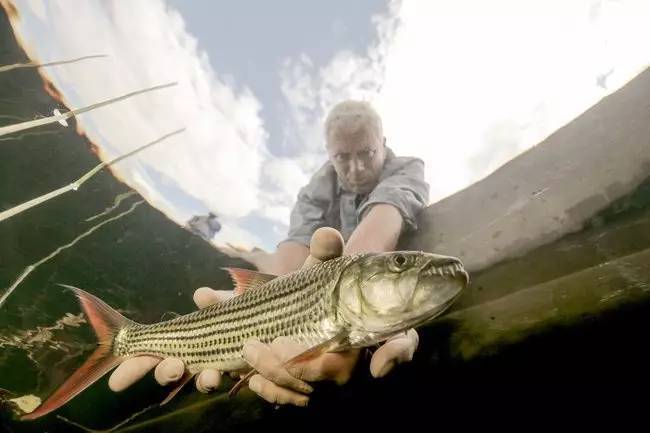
<point>323,203</point>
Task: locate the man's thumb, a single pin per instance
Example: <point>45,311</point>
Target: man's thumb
<point>205,296</point>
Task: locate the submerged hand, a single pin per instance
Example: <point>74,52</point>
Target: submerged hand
<point>274,382</point>
<point>280,385</point>
<point>170,370</point>
<point>326,244</point>
<point>396,350</point>
<point>288,385</point>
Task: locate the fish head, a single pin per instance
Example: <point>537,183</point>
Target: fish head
<point>390,292</point>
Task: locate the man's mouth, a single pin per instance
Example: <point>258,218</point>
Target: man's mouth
<point>359,182</point>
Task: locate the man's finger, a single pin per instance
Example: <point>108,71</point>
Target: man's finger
<point>261,358</point>
<point>328,366</point>
<point>169,370</point>
<point>273,393</point>
<point>286,348</point>
<point>208,380</point>
<point>326,243</point>
<point>130,371</point>
<point>205,296</point>
<point>395,351</point>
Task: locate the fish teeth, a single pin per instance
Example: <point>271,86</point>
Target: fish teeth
<point>444,270</point>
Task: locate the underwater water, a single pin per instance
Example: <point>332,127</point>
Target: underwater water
<point>481,362</point>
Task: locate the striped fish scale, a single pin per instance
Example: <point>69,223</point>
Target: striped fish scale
<point>296,305</point>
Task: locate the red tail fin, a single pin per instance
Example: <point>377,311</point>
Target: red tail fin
<point>106,322</point>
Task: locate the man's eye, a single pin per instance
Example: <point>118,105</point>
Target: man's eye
<point>341,158</point>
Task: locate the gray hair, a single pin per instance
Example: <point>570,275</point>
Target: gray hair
<point>353,115</point>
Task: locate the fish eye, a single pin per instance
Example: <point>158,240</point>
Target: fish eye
<point>398,262</point>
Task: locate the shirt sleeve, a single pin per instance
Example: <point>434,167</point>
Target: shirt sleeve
<point>309,212</point>
<point>406,189</point>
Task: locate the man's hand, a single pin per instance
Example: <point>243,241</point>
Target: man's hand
<point>257,257</point>
<point>280,385</point>
<point>273,382</point>
<point>326,243</point>
<point>170,369</point>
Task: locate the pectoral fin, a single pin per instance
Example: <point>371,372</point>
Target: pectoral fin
<point>179,385</point>
<point>330,345</point>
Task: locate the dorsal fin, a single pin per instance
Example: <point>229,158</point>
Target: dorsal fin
<point>245,279</point>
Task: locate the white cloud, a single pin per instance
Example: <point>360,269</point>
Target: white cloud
<point>224,146</point>
<point>468,85</point>
<point>465,85</point>
<point>310,92</point>
<point>282,178</point>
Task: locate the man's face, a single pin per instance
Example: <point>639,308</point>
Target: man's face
<point>358,157</point>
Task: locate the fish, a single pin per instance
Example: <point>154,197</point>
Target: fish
<point>344,303</point>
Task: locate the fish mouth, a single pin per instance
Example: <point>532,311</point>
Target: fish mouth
<point>448,268</point>
<point>445,270</point>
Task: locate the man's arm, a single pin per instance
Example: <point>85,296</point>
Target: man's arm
<point>378,231</point>
<point>288,257</point>
<point>325,244</point>
<point>292,255</point>
<point>392,207</point>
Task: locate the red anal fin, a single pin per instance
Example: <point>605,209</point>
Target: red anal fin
<point>314,352</point>
<point>179,385</point>
<point>100,362</point>
<point>245,279</point>
<point>235,389</point>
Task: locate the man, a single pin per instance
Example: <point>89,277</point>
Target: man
<point>371,197</point>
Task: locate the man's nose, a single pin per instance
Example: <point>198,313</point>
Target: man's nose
<point>356,165</point>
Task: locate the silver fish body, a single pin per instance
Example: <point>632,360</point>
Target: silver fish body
<point>348,302</point>
<point>310,306</point>
<point>296,305</point>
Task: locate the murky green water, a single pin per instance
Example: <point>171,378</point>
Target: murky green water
<point>147,266</point>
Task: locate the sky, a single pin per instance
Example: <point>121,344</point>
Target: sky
<point>466,85</point>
